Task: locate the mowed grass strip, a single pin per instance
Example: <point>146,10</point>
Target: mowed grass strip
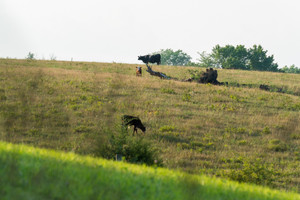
<point>32,173</point>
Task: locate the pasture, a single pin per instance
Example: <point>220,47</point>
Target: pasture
<point>237,132</point>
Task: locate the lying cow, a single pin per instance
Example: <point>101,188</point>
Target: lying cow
<point>128,120</point>
<point>150,58</point>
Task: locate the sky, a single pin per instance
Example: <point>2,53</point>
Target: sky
<point>121,30</point>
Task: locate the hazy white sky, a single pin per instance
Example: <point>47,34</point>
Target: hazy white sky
<point>121,30</point>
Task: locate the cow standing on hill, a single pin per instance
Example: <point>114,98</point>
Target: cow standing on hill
<point>150,58</point>
<point>128,120</point>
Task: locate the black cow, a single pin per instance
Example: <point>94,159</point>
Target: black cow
<point>128,120</point>
<point>150,58</point>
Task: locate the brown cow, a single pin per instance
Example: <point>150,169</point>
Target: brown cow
<point>138,71</point>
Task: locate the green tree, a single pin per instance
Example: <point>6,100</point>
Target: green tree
<point>206,60</point>
<point>177,58</point>
<point>291,69</point>
<point>258,60</point>
<point>231,57</point>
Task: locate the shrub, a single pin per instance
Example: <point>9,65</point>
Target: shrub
<point>137,150</point>
<point>277,145</point>
<point>133,149</point>
<point>255,171</point>
<point>266,130</point>
<point>195,74</point>
<point>30,56</point>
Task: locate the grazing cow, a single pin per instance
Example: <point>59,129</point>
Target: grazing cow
<point>138,71</point>
<point>150,58</point>
<point>128,120</point>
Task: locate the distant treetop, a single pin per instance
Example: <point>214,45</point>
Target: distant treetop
<point>231,57</point>
<point>176,58</point>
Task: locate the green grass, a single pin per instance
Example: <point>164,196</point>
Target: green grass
<point>32,173</point>
<point>229,132</point>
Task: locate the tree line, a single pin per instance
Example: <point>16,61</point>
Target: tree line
<point>227,57</point>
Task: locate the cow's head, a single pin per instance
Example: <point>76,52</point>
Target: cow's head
<point>143,129</point>
<point>141,126</point>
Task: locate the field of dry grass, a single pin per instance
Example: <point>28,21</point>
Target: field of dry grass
<point>241,133</point>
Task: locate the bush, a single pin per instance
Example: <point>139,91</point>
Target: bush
<point>195,74</point>
<point>255,171</point>
<point>266,130</point>
<point>138,150</point>
<point>277,145</point>
<point>132,149</point>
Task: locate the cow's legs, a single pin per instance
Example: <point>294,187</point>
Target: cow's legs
<point>134,130</point>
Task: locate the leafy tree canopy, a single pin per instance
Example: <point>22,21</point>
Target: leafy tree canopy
<point>291,69</point>
<point>177,58</point>
<point>238,57</point>
<point>260,61</point>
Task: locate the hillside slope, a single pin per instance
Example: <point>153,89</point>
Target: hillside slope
<point>30,173</point>
<point>238,132</point>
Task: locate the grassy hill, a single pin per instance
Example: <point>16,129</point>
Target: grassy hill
<point>238,132</point>
<point>31,173</point>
